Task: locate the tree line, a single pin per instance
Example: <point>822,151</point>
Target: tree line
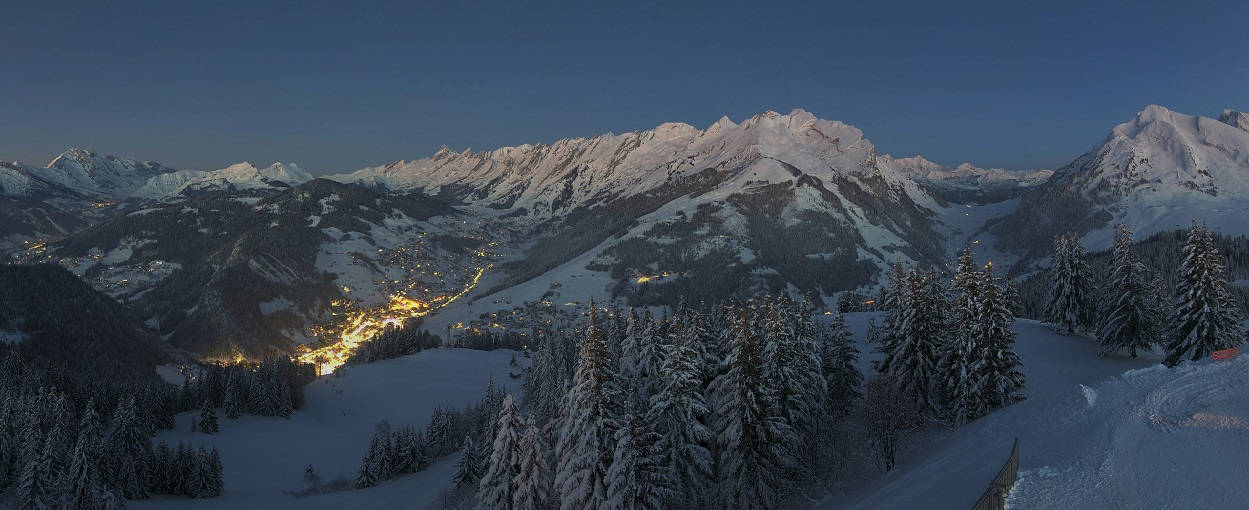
<point>58,451</point>
<point>1132,312</point>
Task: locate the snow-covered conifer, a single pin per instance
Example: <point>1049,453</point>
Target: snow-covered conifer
<point>468,470</point>
<point>1069,305</point>
<point>586,443</point>
<point>752,438</point>
<point>533,481</point>
<point>499,483</point>
<point>677,413</point>
<point>1206,317</point>
<point>1127,320</point>
<point>637,478</point>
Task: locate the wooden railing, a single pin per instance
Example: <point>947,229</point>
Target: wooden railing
<point>994,497</point>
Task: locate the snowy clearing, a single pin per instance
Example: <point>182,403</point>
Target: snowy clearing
<point>264,456</point>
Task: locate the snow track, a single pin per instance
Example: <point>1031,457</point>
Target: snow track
<point>1185,400</point>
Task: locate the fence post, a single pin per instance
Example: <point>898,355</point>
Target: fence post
<point>994,496</point>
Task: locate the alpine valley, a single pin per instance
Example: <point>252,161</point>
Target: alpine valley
<point>247,262</point>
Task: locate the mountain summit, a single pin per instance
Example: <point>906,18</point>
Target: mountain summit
<point>1157,171</point>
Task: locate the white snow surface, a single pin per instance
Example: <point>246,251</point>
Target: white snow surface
<point>264,456</point>
<point>1094,433</point>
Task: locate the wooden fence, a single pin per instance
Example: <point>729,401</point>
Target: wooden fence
<point>994,497</point>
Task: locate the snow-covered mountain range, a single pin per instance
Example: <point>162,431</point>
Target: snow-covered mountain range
<point>87,173</point>
<point>966,182</point>
<point>775,201</point>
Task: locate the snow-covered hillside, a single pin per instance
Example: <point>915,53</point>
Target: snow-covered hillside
<point>266,456</point>
<point>1094,433</point>
<point>1156,172</point>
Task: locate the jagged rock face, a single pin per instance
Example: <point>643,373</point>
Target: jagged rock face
<point>1156,172</point>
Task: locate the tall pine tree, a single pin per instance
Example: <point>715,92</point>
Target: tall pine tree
<point>1128,320</point>
<point>586,442</point>
<point>1070,298</point>
<point>1206,317</point>
<point>499,484</point>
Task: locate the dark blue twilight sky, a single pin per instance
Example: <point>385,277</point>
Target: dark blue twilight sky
<point>337,86</point>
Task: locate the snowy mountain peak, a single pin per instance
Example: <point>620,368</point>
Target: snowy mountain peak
<point>1155,172</point>
<point>1235,119</point>
<point>239,176</point>
<point>85,171</point>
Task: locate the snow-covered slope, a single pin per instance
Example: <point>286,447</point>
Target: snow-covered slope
<point>1094,433</point>
<point>16,181</point>
<point>263,457</point>
<point>239,176</point>
<point>1158,171</point>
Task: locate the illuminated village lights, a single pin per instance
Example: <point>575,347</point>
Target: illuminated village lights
<point>364,324</point>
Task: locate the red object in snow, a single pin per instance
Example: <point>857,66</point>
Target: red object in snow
<point>1225,353</point>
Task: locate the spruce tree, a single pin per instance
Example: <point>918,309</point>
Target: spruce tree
<point>365,477</point>
<point>586,443</point>
<point>678,412</point>
<point>751,436</point>
<point>81,486</point>
<point>533,481</point>
<point>232,401</point>
<point>8,444</point>
<point>914,339</point>
<point>218,473</point>
<point>208,419</point>
<point>1206,317</point>
<point>129,451</point>
<point>980,368</point>
<point>838,362</point>
<point>1128,320</point>
<point>35,490</point>
<point>499,484</point>
<point>202,478</point>
<point>161,459</point>
<point>791,366</point>
<point>637,478</point>
<point>1070,299</point>
<point>468,471</point>
<point>60,440</point>
<point>893,290</point>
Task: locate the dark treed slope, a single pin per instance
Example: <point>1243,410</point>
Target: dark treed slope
<point>59,320</point>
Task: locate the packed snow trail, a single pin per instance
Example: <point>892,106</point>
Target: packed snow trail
<point>1094,433</point>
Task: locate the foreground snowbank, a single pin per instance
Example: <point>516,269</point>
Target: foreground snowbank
<point>1094,433</point>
